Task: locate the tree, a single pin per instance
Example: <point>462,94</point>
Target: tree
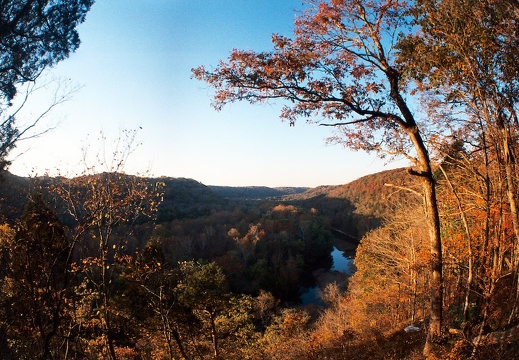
<point>38,273</point>
<point>205,291</point>
<point>478,237</point>
<point>34,35</point>
<point>391,278</point>
<point>98,206</point>
<point>466,55</point>
<point>341,66</point>
<point>286,337</point>
<point>11,130</point>
<point>152,281</point>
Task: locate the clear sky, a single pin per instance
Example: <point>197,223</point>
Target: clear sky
<point>134,69</point>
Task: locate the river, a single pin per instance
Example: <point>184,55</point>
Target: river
<point>341,262</point>
<point>342,268</point>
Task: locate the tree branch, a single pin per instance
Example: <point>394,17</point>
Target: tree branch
<point>350,122</point>
<point>405,189</point>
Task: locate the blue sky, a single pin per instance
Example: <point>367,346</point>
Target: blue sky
<point>134,69</point>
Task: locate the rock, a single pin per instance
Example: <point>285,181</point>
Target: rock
<point>411,328</point>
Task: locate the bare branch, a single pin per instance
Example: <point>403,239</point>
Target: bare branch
<point>349,122</point>
<point>405,189</point>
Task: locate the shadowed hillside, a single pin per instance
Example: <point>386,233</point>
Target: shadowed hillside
<point>353,208</point>
<point>183,198</point>
<point>360,205</point>
<point>187,198</point>
<point>14,191</point>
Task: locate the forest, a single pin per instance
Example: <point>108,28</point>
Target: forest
<point>108,265</point>
<point>168,268</point>
<point>159,268</point>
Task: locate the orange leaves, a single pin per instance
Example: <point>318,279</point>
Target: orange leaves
<point>6,235</point>
<point>294,322</point>
<point>328,16</point>
<point>285,208</point>
<point>392,271</point>
<point>280,42</point>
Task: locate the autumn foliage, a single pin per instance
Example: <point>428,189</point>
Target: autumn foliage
<point>108,265</point>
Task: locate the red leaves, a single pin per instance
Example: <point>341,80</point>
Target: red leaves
<point>335,67</point>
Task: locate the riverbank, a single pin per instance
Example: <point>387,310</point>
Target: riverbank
<point>347,247</point>
<point>323,278</point>
<point>343,255</point>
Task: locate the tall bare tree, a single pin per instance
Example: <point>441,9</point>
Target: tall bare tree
<point>99,204</point>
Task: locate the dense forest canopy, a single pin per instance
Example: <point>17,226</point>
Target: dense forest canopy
<point>263,252</point>
<point>116,266</point>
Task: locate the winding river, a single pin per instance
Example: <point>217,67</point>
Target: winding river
<point>342,266</point>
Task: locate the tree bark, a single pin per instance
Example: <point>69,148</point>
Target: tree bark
<point>433,222</point>
<point>433,226</point>
<point>424,171</point>
<point>213,335</point>
<point>511,192</point>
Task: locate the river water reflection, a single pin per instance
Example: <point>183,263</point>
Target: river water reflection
<point>342,264</point>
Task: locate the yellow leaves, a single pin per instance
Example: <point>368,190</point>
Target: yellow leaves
<point>285,208</point>
<point>294,322</point>
<point>6,235</point>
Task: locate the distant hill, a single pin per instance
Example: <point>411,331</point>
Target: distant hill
<point>255,192</point>
<point>183,198</point>
<point>187,198</point>
<point>353,208</point>
<point>14,191</point>
<point>377,194</point>
<point>373,194</point>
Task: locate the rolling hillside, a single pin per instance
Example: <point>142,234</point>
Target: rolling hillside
<point>353,208</point>
<point>360,205</point>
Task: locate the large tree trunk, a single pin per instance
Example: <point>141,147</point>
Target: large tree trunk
<point>424,171</point>
<point>178,340</point>
<point>433,223</point>
<point>170,331</point>
<point>509,164</point>
<point>433,227</point>
<point>214,337</point>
